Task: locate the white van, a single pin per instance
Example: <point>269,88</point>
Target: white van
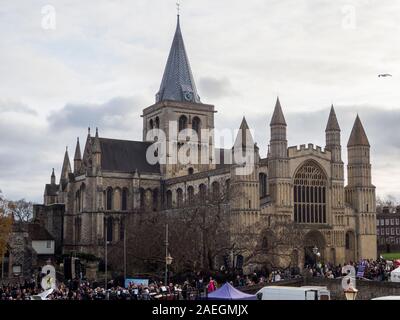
<point>293,293</point>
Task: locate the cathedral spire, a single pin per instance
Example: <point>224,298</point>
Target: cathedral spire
<point>332,124</point>
<point>53,177</point>
<point>77,151</point>
<point>278,118</point>
<point>177,83</point>
<point>244,138</point>
<point>66,167</point>
<point>358,136</point>
<point>96,144</point>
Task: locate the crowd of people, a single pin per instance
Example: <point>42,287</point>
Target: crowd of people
<point>193,288</point>
<point>367,269</point>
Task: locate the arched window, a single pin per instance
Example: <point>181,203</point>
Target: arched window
<point>78,201</point>
<point>151,124</point>
<point>190,194</point>
<point>182,123</point>
<point>190,171</point>
<point>196,125</point>
<point>215,190</point>
<point>157,123</point>
<point>142,198</point>
<point>169,199</point>
<point>179,197</point>
<point>155,199</point>
<point>228,187</point>
<point>202,192</point>
<point>347,241</point>
<point>263,185</point>
<point>109,228</point>
<point>124,200</point>
<point>309,194</point>
<point>109,199</point>
<point>78,229</point>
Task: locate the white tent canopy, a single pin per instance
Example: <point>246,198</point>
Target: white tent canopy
<point>395,275</point>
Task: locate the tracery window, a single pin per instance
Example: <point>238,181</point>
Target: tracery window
<point>309,194</point>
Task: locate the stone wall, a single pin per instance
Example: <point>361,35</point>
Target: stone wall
<point>367,290</point>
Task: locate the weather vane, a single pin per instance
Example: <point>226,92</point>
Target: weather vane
<point>178,7</point>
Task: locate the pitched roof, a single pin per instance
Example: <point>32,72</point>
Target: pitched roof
<point>38,232</point>
<point>177,83</point>
<point>358,136</point>
<point>332,124</point>
<point>278,118</point>
<point>125,156</point>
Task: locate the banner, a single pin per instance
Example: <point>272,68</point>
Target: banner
<point>138,282</point>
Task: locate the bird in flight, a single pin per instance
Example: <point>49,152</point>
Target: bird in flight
<point>384,75</point>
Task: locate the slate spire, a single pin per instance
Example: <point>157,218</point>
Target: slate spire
<point>177,83</point>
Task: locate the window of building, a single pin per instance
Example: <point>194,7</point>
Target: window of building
<point>377,232</point>
<point>179,197</point>
<point>387,222</point>
<point>387,231</point>
<point>109,199</point>
<point>310,194</point>
<point>169,199</point>
<point>190,171</point>
<point>397,222</point>
<point>182,123</point>
<point>196,126</point>
<point>392,222</point>
<point>202,192</point>
<point>392,231</point>
<point>397,231</point>
<point>109,229</point>
<point>377,222</point>
<point>190,194</point>
<point>124,202</point>
<point>48,244</point>
<point>263,185</point>
<point>157,123</point>
<point>382,222</point>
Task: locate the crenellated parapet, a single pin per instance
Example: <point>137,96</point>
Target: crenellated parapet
<point>307,150</point>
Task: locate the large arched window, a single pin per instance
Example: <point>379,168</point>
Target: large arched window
<point>182,123</point>
<point>157,123</point>
<point>109,199</point>
<point>263,185</point>
<point>309,194</point>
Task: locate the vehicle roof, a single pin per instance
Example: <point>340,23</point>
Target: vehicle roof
<point>388,298</point>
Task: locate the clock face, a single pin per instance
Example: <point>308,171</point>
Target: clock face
<point>188,96</point>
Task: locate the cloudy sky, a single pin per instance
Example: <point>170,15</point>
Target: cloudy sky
<point>75,64</point>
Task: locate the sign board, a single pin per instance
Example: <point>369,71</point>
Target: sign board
<point>138,282</point>
<point>360,271</point>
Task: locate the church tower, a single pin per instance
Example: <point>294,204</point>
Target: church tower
<point>360,192</point>
<point>244,192</point>
<point>333,144</point>
<point>278,166</point>
<point>177,110</point>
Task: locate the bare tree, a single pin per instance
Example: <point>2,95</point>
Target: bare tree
<point>22,210</point>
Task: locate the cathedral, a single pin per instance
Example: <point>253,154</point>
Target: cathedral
<point>303,185</point>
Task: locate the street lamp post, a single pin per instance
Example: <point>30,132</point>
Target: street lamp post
<point>168,258</point>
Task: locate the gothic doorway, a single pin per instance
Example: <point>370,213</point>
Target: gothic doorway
<point>314,248</point>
